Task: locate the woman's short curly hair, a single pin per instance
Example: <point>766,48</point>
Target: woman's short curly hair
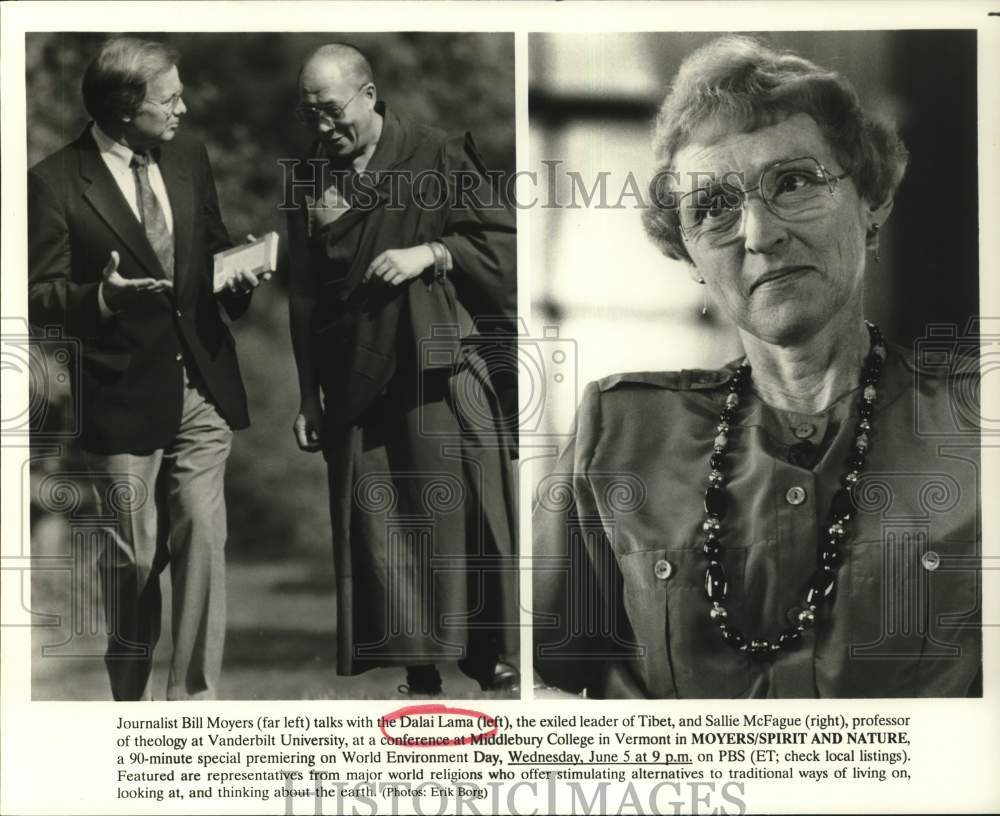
<point>740,83</point>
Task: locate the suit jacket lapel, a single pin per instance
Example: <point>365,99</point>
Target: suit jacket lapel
<point>180,190</point>
<point>106,198</point>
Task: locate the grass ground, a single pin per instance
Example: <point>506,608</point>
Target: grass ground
<point>280,645</point>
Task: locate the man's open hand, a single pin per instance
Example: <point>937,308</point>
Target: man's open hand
<point>119,292</point>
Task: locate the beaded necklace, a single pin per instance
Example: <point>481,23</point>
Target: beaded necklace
<point>824,578</point>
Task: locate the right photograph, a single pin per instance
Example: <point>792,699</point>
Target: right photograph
<point>762,250</point>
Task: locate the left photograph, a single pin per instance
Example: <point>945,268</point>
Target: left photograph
<point>272,319</point>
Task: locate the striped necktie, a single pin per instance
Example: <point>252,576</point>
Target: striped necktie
<point>151,215</point>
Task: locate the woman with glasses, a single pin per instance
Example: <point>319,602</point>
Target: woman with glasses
<point>789,525</point>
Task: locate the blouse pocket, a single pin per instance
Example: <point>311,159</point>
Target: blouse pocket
<point>683,653</point>
<point>913,627</point>
<point>645,601</point>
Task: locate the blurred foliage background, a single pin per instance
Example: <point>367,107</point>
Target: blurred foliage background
<point>240,90</point>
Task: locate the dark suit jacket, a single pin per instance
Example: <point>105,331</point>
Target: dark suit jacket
<point>132,363</point>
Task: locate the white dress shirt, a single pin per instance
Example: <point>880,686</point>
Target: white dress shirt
<point>117,157</point>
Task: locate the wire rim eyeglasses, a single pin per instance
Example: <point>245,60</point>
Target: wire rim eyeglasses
<point>169,104</point>
<point>311,115</point>
<point>796,190</point>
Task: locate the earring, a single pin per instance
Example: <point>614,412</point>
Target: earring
<point>704,298</point>
<point>875,229</point>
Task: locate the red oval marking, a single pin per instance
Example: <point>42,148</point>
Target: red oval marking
<point>433,709</point>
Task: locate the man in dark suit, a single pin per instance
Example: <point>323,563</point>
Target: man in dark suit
<point>122,227</point>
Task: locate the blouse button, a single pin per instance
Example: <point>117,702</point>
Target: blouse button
<point>795,496</point>
<point>804,430</point>
<point>930,560</point>
<point>662,569</point>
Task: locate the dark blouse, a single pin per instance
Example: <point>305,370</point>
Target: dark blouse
<point>619,572</point>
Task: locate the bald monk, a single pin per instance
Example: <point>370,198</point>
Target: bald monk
<point>403,298</point>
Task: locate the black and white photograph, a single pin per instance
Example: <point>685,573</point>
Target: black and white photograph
<point>519,407</point>
<point>280,274</point>
<point>772,484</point>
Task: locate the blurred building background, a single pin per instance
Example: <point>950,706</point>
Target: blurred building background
<point>623,305</point>
<point>240,91</point>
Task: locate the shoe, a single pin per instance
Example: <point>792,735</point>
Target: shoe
<point>503,677</point>
<point>421,680</point>
<point>409,691</point>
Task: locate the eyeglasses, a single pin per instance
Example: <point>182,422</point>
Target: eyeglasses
<point>312,114</point>
<point>792,189</point>
<point>170,104</point>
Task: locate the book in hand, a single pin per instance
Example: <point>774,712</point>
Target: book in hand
<point>259,256</point>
